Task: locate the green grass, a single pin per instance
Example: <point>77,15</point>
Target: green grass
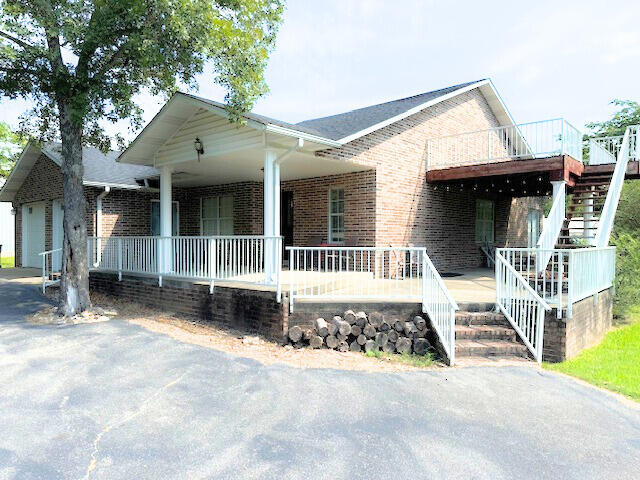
<point>614,364</point>
<point>420,361</point>
<point>7,262</point>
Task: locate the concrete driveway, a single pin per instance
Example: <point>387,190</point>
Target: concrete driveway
<point>113,400</point>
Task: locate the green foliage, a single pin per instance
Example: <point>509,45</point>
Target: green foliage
<point>627,281</point>
<point>629,114</point>
<point>95,56</point>
<point>613,364</point>
<point>420,361</point>
<point>10,144</point>
<point>7,262</point>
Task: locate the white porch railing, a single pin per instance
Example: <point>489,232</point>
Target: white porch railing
<point>218,258</point>
<point>521,305</point>
<point>523,141</point>
<point>612,145</point>
<point>374,273</point>
<point>51,273</point>
<point>552,228</point>
<point>608,214</point>
<point>570,275</point>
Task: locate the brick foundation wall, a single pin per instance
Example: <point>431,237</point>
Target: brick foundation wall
<point>249,310</point>
<point>565,338</point>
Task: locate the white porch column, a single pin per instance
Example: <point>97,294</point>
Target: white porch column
<point>271,213</point>
<point>166,211</point>
<point>558,186</point>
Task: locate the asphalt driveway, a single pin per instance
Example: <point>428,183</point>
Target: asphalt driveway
<point>113,400</point>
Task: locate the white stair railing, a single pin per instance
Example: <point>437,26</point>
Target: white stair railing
<point>599,154</point>
<point>438,303</point>
<point>551,231</point>
<point>50,273</point>
<point>605,225</point>
<point>521,305</point>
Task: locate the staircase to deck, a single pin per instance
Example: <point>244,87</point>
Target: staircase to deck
<point>586,204</point>
<point>487,335</point>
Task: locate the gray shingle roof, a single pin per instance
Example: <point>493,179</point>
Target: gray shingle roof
<point>102,167</point>
<point>336,127</point>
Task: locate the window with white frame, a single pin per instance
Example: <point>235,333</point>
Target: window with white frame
<point>484,221</point>
<point>216,215</point>
<point>155,218</point>
<point>336,215</point>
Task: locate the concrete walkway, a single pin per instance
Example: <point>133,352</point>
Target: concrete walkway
<point>112,400</point>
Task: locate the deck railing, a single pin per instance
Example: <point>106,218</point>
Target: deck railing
<point>552,228</point>
<point>216,258</point>
<point>612,145</point>
<point>567,275</point>
<point>607,216</point>
<point>51,273</point>
<point>373,273</point>
<point>523,141</point>
<point>521,305</point>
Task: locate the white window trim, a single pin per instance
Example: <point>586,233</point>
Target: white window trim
<point>329,215</point>
<point>493,221</point>
<point>233,214</point>
<point>177,203</point>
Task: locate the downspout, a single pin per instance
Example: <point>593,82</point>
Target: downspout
<point>99,199</point>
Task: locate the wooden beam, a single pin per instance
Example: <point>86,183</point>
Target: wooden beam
<point>510,167</point>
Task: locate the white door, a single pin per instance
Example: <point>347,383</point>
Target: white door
<point>57,233</point>
<point>32,234</point>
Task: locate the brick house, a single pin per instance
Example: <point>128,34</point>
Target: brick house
<point>436,180</point>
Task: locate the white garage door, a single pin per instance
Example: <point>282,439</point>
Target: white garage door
<point>32,234</point>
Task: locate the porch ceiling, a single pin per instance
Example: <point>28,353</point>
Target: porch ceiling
<point>232,152</point>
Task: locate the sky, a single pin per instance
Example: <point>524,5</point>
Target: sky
<point>547,59</point>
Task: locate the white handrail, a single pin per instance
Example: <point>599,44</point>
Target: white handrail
<point>521,305</point>
<point>522,141</point>
<point>48,271</point>
<point>438,303</point>
<point>552,228</point>
<point>605,225</point>
<point>598,154</point>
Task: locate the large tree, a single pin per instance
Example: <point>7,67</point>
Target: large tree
<point>80,62</point>
<point>10,143</point>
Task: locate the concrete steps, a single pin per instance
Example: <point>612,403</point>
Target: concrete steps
<point>487,335</point>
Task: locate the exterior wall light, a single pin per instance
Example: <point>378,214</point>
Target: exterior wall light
<point>199,147</point>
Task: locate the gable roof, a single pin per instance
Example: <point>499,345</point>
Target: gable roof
<point>343,126</point>
<point>100,169</point>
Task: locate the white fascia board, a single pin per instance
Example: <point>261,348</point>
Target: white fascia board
<point>120,186</point>
<point>415,110</point>
<point>18,167</point>
<point>501,102</point>
<point>277,129</point>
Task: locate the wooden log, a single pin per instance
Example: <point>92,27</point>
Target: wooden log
<point>295,333</point>
<point>420,333</point>
<point>306,334</point>
<point>381,339</point>
<point>392,336</point>
<point>336,319</point>
<point>384,327</point>
<point>355,346</point>
<point>370,345</point>
<point>369,331</point>
<point>356,330</point>
<point>340,337</point>
<point>299,344</point>
<point>321,327</point>
<point>332,342</point>
<point>361,339</point>
<point>376,319</point>
<point>421,346</point>
<point>332,328</point>
<point>420,323</point>
<point>361,319</point>
<point>408,329</point>
<point>316,341</point>
<point>389,347</point>
<point>349,317</point>
<point>344,328</point>
<point>343,346</point>
<point>398,326</point>
<point>403,345</point>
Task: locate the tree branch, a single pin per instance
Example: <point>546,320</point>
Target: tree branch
<point>16,40</point>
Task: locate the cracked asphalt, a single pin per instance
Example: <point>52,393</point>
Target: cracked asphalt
<point>113,400</point>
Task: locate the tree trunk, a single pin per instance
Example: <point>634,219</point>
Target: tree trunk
<point>74,284</point>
